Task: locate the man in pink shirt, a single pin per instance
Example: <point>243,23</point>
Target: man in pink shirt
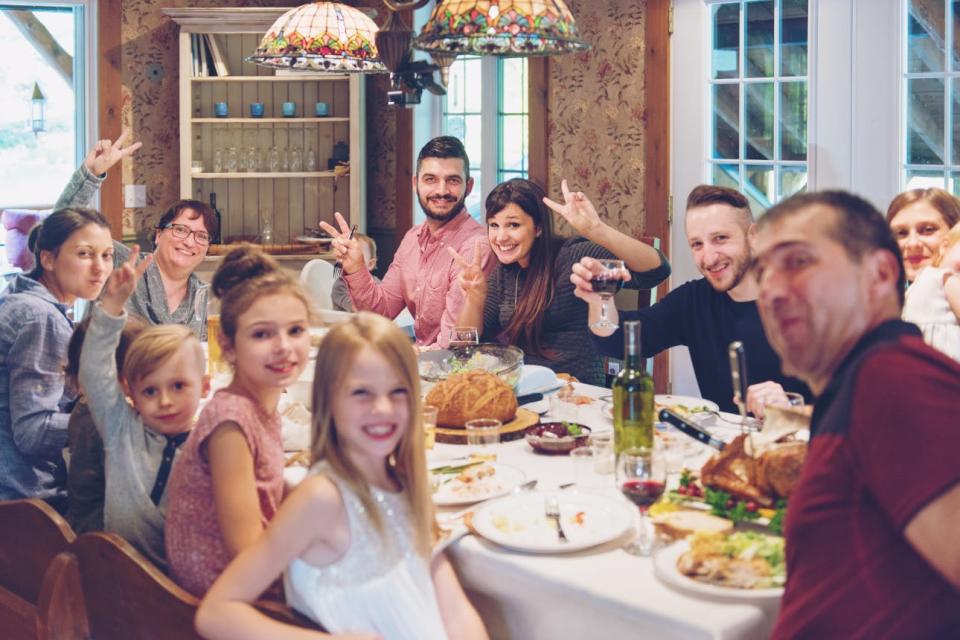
<point>423,274</point>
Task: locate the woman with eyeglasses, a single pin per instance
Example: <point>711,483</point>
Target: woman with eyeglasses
<point>169,292</point>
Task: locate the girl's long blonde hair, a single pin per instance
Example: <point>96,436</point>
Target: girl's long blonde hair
<point>337,353</point>
<point>952,238</point>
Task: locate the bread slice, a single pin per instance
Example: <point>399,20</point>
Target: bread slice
<point>677,525</point>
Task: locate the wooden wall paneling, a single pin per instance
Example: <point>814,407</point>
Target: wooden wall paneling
<point>538,91</point>
<point>656,191</point>
<point>357,101</point>
<point>281,140</point>
<point>110,100</point>
<point>405,171</point>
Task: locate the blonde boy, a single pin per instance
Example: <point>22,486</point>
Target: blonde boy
<point>164,377</point>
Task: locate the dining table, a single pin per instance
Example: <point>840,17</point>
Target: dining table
<point>600,592</point>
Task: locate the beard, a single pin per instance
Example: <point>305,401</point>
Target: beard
<point>739,266</point>
<point>441,216</point>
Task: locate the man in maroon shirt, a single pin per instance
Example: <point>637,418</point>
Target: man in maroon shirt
<point>871,529</point>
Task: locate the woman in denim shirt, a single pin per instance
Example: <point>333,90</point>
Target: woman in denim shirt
<point>73,253</point>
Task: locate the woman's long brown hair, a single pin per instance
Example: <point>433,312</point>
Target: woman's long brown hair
<point>525,328</point>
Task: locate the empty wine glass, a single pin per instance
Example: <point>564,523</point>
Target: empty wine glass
<point>273,161</point>
<point>252,159</point>
<point>641,478</point>
<point>311,163</point>
<point>218,161</point>
<point>232,162</point>
<point>606,283</point>
<point>296,160</point>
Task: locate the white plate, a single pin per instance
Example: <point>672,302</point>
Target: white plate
<point>518,522</point>
<point>314,240</point>
<point>665,568</point>
<point>689,402</point>
<point>536,379</point>
<point>454,492</point>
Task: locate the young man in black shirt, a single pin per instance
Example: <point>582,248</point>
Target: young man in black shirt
<point>706,315</point>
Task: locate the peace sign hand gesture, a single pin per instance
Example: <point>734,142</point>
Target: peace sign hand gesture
<point>577,210</point>
<point>105,154</point>
<point>472,279</point>
<point>123,281</point>
<point>346,248</point>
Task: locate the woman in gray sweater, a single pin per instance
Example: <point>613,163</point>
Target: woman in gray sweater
<point>528,300</point>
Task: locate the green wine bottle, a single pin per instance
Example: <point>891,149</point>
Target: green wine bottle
<point>632,397</point>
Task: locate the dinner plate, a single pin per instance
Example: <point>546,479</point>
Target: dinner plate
<point>453,492</point>
<point>665,568</point>
<point>688,402</point>
<point>314,240</point>
<point>518,522</point>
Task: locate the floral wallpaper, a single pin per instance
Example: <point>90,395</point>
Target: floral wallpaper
<point>148,59</point>
<point>595,130</point>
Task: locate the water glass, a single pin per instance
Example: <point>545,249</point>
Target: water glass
<point>273,160</point>
<point>296,160</point>
<point>311,164</point>
<point>583,462</point>
<point>232,162</point>
<point>429,413</point>
<point>218,161</point>
<point>564,407</point>
<point>251,159</point>
<point>603,458</point>
<point>483,436</point>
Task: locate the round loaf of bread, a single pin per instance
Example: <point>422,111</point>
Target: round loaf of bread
<point>474,394</point>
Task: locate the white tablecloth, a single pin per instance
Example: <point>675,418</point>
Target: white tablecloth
<point>597,593</point>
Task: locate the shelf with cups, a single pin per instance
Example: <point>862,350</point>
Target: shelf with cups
<point>268,174</point>
<point>316,77</point>
<point>295,121</point>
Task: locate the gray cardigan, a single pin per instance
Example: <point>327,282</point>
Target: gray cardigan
<point>133,452</point>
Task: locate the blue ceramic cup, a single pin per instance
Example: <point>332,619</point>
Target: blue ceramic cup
<point>321,109</point>
<point>256,109</point>
<point>289,109</point>
<point>220,110</point>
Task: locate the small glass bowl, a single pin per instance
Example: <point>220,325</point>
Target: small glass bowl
<point>555,444</point>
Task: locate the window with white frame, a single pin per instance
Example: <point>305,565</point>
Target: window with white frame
<point>931,108</point>
<point>493,125</point>
<point>758,97</point>
<point>45,55</point>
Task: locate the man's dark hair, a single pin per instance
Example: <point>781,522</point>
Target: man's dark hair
<point>707,194</point>
<point>860,228</point>
<point>445,147</point>
<point>202,209</point>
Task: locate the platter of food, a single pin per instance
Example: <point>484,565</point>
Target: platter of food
<point>686,404</point>
<point>742,565</point>
<point>473,481</point>
<point>518,522</point>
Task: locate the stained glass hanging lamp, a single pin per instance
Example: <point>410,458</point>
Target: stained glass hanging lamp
<point>501,27</point>
<point>321,36</point>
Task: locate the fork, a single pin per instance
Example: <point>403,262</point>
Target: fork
<point>338,266</point>
<point>551,508</point>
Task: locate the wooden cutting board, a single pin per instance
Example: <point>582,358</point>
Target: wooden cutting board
<point>273,249</point>
<point>513,430</point>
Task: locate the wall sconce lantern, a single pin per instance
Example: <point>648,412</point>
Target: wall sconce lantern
<point>37,107</point>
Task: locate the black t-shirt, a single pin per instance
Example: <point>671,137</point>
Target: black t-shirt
<point>695,315</point>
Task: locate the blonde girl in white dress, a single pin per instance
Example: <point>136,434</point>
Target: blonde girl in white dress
<point>354,538</point>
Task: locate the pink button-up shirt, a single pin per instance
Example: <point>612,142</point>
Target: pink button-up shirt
<point>423,278</point>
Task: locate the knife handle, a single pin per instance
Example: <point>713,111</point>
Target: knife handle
<point>691,429</point>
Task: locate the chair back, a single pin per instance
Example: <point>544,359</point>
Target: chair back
<point>61,613</point>
<point>31,534</point>
<point>316,278</point>
<point>126,596</point>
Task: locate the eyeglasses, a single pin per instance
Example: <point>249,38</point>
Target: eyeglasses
<point>182,232</point>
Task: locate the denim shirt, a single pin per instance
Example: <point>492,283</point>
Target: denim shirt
<point>34,405</point>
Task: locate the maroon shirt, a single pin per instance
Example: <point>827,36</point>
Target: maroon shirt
<point>885,443</point>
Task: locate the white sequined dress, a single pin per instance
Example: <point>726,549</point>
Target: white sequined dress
<point>379,585</point>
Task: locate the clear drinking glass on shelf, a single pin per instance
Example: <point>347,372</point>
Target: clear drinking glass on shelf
<point>232,162</point>
<point>606,283</point>
<point>641,478</point>
<point>311,162</point>
<point>296,160</point>
<point>266,227</point>
<point>273,160</point>
<point>218,161</point>
<point>284,160</point>
<point>251,158</point>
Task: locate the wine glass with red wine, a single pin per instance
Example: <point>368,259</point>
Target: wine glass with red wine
<point>641,478</point>
<point>606,283</point>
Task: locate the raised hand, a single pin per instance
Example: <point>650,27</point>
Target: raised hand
<point>583,273</point>
<point>765,393</point>
<point>577,210</point>
<point>123,281</point>
<point>347,249</point>
<point>105,154</point>
<point>472,279</point>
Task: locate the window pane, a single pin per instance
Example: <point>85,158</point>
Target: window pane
<point>759,187</point>
<point>34,167</point>
<point>793,38</point>
<point>513,143</point>
<point>472,138</point>
<point>925,36</point>
<point>726,41</point>
<point>792,180</point>
<point>473,201</point>
<point>793,121</point>
<point>456,99</point>
<point>726,121</point>
<point>925,121</point>
<point>472,77</point>
<point>955,7</point>
<point>510,175</point>
<point>759,121</point>
<point>454,125</point>
<point>758,58</point>
<point>955,115</point>
<point>726,175</point>
<point>955,183</point>
<point>924,179</point>
<point>513,85</point>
